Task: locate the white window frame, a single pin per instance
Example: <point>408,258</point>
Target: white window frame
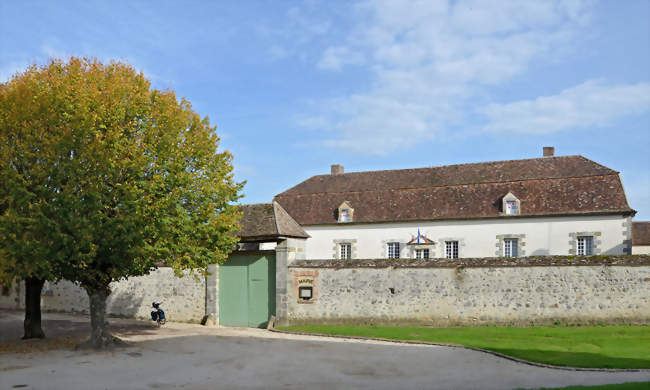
<point>585,245</point>
<point>393,250</point>
<point>337,251</point>
<point>422,253</point>
<point>576,248</point>
<point>451,249</point>
<point>511,247</point>
<point>345,250</point>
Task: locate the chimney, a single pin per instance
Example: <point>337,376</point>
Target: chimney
<point>549,151</point>
<point>337,169</point>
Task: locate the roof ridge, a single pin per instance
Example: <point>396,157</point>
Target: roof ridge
<point>275,217</point>
<point>556,161</point>
<point>459,165</point>
<point>277,210</point>
<point>593,162</point>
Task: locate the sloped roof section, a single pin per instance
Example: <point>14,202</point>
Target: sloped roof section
<point>286,225</point>
<point>640,233</point>
<point>545,186</point>
<point>270,221</point>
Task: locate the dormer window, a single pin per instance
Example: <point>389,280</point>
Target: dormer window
<point>346,213</point>
<point>511,205</point>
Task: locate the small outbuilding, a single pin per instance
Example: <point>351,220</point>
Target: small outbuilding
<point>641,238</point>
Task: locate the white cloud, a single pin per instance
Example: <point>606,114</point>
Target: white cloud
<point>589,104</point>
<point>306,22</point>
<point>312,122</point>
<point>334,58</point>
<point>428,59</point>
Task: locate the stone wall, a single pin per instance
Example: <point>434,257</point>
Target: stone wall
<point>286,252</point>
<point>485,291</point>
<point>184,299</point>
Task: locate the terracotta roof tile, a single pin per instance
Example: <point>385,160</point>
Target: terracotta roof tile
<point>640,233</point>
<point>287,226</point>
<point>448,175</point>
<point>268,221</point>
<point>544,186</point>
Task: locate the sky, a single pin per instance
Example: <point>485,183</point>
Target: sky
<point>294,87</point>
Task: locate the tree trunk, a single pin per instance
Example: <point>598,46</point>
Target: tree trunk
<point>32,323</point>
<point>100,337</point>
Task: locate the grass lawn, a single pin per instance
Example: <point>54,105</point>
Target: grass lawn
<point>580,346</point>
<point>622,386</point>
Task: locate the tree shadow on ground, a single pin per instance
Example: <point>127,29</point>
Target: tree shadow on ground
<point>63,332</point>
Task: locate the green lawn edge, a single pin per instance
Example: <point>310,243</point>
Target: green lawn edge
<point>618,386</point>
<point>615,347</point>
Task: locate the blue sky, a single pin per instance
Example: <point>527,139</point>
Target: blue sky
<point>297,86</point>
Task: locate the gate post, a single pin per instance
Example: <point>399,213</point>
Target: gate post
<point>211,317</point>
<point>285,253</point>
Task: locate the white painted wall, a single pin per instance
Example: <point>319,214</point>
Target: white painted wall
<point>543,236</point>
<point>641,249</point>
<point>268,246</point>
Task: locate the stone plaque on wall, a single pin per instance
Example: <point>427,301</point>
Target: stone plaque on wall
<point>305,286</point>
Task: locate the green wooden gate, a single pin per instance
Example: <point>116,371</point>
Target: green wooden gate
<point>247,289</point>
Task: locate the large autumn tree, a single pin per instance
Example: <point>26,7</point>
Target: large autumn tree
<point>104,177</point>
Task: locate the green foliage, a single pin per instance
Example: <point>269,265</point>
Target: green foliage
<point>103,177</point>
<point>580,346</point>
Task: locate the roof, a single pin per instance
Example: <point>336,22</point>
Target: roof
<point>544,186</point>
<point>640,233</point>
<point>268,221</point>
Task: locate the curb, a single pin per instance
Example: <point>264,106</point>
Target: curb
<point>497,354</point>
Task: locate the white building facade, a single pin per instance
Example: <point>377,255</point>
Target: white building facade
<point>562,206</point>
<point>542,236</point>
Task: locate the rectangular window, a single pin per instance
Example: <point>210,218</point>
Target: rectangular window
<point>585,245</point>
<point>346,251</point>
<point>393,250</point>
<point>510,247</point>
<point>422,253</point>
<point>451,249</point>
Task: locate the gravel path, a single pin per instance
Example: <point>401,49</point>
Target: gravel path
<point>194,357</point>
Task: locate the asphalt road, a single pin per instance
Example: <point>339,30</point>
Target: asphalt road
<point>194,357</point>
